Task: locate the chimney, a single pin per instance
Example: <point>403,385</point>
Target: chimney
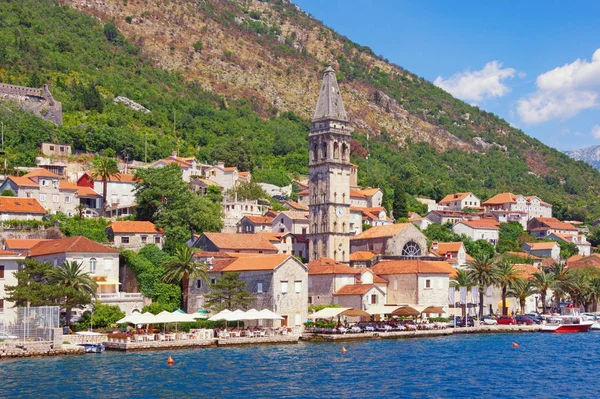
<point>434,246</point>
<point>221,164</point>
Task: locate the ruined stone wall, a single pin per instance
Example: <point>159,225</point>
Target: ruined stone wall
<point>39,101</point>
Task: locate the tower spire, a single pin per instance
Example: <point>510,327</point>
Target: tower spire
<point>330,104</point>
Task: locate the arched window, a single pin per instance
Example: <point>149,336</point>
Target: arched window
<point>344,152</point>
<point>411,249</point>
<point>314,151</point>
<point>324,153</point>
<point>92,265</point>
<point>336,150</point>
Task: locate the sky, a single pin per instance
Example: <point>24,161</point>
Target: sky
<point>534,63</point>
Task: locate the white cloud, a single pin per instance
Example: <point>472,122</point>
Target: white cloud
<point>596,132</point>
<point>563,92</point>
<point>477,85</point>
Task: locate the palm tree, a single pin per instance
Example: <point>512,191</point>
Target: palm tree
<point>594,287</point>
<point>561,277</point>
<point>182,268</point>
<point>542,282</point>
<point>462,279</point>
<point>521,289</point>
<point>483,273</point>
<point>505,275</point>
<point>103,168</point>
<point>70,275</point>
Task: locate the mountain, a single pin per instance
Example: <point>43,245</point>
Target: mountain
<point>238,81</point>
<point>590,155</point>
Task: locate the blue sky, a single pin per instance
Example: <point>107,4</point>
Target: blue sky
<point>534,63</point>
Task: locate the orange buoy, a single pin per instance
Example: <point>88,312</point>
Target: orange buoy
<point>515,345</point>
<point>170,361</point>
<point>344,350</point>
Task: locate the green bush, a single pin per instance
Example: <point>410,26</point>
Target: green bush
<point>103,316</point>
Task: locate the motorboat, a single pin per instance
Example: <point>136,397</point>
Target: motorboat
<point>566,324</point>
<point>93,348</point>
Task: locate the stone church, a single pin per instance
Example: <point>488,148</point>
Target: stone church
<point>329,175</point>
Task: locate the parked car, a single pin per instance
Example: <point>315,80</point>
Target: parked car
<point>5,335</point>
<point>506,320</point>
<point>489,320</point>
<point>454,320</point>
<point>523,319</point>
<point>537,318</point>
<point>469,322</point>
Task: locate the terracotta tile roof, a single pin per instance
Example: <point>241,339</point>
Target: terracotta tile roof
<point>354,289</point>
<point>84,191</point>
<point>21,205</point>
<point>230,169</point>
<point>123,178</point>
<point>588,261</point>
<point>485,224</point>
<point>554,224</point>
<point>541,246</point>
<point>41,173</point>
<point>369,192</point>
<point>379,279</point>
<point>295,205</point>
<point>264,262</point>
<point>534,196</point>
<point>244,174</point>
<point>207,254</point>
<point>7,253</point>
<point>295,215</point>
<point>445,247</point>
<point>376,278</point>
<point>71,244</point>
<point>267,220</point>
<point>381,231</point>
<point>548,262</point>
<point>218,265</point>
<point>361,256</point>
<point>356,194</point>
<point>525,271</point>
<point>502,198</point>
<point>329,266</point>
<point>304,192</point>
<point>21,243</point>
<point>133,227</point>
<point>23,181</point>
<point>413,266</point>
<point>524,255</point>
<point>229,242</point>
<point>469,258</point>
<point>66,185</point>
<point>272,237</point>
<point>453,197</point>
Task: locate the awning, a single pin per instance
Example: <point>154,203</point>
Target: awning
<point>433,309</point>
<point>382,309</point>
<point>108,282</point>
<point>328,313</point>
<point>406,311</point>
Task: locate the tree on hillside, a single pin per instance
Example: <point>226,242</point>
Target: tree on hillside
<point>165,199</point>
<point>482,271</point>
<point>568,249</point>
<point>183,268</point>
<point>248,191</point>
<point>508,237</point>
<point>79,286</point>
<point>102,169</point>
<point>400,206</point>
<point>228,293</point>
<point>505,276</point>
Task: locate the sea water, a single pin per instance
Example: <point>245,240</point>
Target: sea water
<point>461,366</point>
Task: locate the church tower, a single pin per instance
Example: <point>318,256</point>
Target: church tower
<point>329,182</point>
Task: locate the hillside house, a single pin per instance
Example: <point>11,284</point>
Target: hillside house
<point>453,252</point>
<point>543,249</point>
<point>120,192</point>
<point>189,166</point>
<point>134,235</point>
<point>359,296</point>
<point>254,224</point>
<point>15,208</point>
<point>583,246</point>
<point>294,222</point>
<point>235,243</point>
<point>325,277</point>
<point>533,205</point>
<point>484,229</point>
<point>235,210</point>
<point>9,264</point>
<point>542,227</point>
<point>460,201</point>
<point>287,243</point>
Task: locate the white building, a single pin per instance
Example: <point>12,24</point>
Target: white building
<point>484,229</point>
<point>8,266</point>
<point>533,205</point>
<point>460,201</point>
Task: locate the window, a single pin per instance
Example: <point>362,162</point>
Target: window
<point>411,249</point>
<point>213,280</point>
<point>93,265</point>
<point>298,286</point>
<point>68,199</point>
<point>1,305</point>
<point>55,198</point>
<point>370,246</point>
<point>374,299</point>
<point>284,287</point>
<point>300,254</point>
<point>298,319</point>
<point>304,230</point>
<point>395,284</point>
<point>124,240</point>
<point>199,283</point>
<point>42,197</point>
<point>1,271</point>
<point>51,148</point>
<point>259,287</point>
<point>144,239</point>
<point>310,300</point>
<point>427,283</point>
<point>44,182</point>
<point>107,264</point>
<point>157,239</point>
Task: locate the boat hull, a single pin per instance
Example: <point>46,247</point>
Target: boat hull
<point>567,328</point>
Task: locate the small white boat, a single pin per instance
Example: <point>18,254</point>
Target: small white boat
<point>93,348</point>
<point>566,324</point>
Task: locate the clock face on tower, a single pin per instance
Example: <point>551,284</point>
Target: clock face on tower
<point>339,211</point>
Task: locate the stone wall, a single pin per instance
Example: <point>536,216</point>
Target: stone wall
<point>39,101</point>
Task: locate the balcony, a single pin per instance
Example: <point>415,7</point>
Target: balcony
<point>120,296</point>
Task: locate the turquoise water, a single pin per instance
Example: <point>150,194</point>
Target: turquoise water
<point>543,366</point>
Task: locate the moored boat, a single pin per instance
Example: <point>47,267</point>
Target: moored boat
<point>567,324</point>
<point>93,348</point>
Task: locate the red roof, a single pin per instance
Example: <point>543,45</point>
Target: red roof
<point>356,194</point>
<point>71,244</point>
<point>22,181</point>
<point>381,231</point>
<point>66,185</point>
<point>386,267</point>
<point>454,197</point>
<point>133,227</point>
<point>259,219</point>
<point>296,206</point>
<point>329,266</point>
<point>354,289</point>
<point>41,173</point>
<point>483,224</point>
<point>541,246</point>
<point>361,256</point>
<point>21,205</point>
<point>230,242</point>
<point>21,243</point>
<point>257,263</point>
<point>554,224</point>
<point>84,191</point>
<point>445,247</point>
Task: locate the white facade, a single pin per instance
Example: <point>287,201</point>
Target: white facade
<point>474,232</point>
<point>8,266</point>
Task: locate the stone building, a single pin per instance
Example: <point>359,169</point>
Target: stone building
<point>55,150</point>
<point>402,239</point>
<point>134,235</point>
<point>39,101</point>
<point>14,208</point>
<point>360,296</point>
<point>295,222</point>
<point>329,175</point>
<point>235,243</point>
<point>254,224</point>
<point>326,276</point>
<point>533,205</point>
<point>8,266</point>
<point>277,282</point>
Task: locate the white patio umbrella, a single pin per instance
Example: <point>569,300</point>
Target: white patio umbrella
<point>222,315</point>
<point>268,315</point>
<point>253,314</point>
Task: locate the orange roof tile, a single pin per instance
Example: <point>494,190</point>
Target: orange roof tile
<point>381,231</point>
<point>272,237</point>
<point>259,219</point>
<point>555,224</point>
<point>369,192</point>
<point>295,215</point>
<point>133,227</point>
<point>41,173</point>
<point>413,266</point>
<point>84,191</point>
<point>445,247</point>
<point>243,174</point>
<point>588,261</point>
<point>525,270</point>
<point>484,224</point>
<point>361,256</point>
<point>21,205</point>
<point>7,253</point>
<point>230,242</point>
<point>541,246</point>
<point>304,192</point>
<point>354,289</point>
<point>523,255</point>
<point>329,266</point>
<point>263,262</point>
<point>502,198</point>
<point>71,244</point>
<point>356,194</point>
<point>66,185</point>
<point>297,206</point>
<point>454,197</point>
<point>548,262</point>
<point>23,181</point>
<point>21,243</point>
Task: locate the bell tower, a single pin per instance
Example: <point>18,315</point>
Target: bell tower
<point>329,182</point>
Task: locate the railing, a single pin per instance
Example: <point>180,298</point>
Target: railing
<point>120,295</point>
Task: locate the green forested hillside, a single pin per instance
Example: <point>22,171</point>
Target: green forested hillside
<point>87,64</point>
